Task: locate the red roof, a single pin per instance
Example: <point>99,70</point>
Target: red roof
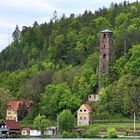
<point>88,107</point>
<point>15,104</point>
<point>12,124</point>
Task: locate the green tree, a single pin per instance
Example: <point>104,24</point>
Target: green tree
<point>22,111</point>
<point>57,98</point>
<point>66,121</point>
<point>5,97</point>
<point>133,64</point>
<point>16,34</point>
<point>41,123</point>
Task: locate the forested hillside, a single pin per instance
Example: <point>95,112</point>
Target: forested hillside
<point>55,64</point>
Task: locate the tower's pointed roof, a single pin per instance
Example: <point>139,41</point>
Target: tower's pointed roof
<point>106,31</point>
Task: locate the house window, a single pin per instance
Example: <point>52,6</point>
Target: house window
<point>104,55</point>
<point>84,110</point>
<point>85,118</point>
<point>80,118</point>
<point>9,112</point>
<point>5,126</point>
<point>80,110</point>
<point>104,46</point>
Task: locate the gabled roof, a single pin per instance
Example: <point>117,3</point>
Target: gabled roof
<point>106,31</point>
<point>12,124</point>
<point>15,104</point>
<point>88,107</point>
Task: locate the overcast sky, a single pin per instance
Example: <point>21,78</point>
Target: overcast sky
<point>25,12</point>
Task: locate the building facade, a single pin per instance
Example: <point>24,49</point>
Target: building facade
<point>13,107</point>
<point>84,115</point>
<point>93,98</point>
<point>104,55</point>
<point>8,127</point>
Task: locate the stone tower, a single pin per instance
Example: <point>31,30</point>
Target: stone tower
<point>104,55</point>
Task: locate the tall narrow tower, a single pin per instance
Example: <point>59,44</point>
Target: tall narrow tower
<point>104,55</point>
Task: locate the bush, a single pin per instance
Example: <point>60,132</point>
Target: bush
<point>127,132</point>
<point>17,135</point>
<point>66,134</point>
<point>91,133</point>
<point>112,133</point>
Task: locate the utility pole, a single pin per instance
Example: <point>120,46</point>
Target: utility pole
<point>134,123</point>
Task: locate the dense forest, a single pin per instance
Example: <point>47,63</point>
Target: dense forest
<point>55,64</point>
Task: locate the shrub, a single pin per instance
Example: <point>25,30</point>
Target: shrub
<point>91,133</point>
<point>127,132</point>
<point>66,134</point>
<point>17,135</point>
<point>112,133</point>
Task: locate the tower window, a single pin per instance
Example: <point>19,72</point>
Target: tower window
<point>104,55</point>
<point>104,35</point>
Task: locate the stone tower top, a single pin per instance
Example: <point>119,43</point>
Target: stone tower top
<point>106,31</point>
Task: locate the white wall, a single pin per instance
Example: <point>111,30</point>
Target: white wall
<point>35,133</point>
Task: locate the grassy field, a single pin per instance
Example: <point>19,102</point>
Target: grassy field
<point>120,127</point>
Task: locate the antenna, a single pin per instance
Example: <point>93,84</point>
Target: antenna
<point>55,16</point>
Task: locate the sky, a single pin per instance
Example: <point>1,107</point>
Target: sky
<point>25,12</point>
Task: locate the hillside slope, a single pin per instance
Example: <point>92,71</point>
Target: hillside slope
<point>55,64</point>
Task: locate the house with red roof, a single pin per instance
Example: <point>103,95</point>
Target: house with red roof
<point>84,114</point>
<point>13,108</point>
<point>8,127</point>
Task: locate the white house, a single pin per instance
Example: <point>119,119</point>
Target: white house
<point>84,114</point>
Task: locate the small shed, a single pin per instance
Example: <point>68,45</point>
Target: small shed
<point>25,132</point>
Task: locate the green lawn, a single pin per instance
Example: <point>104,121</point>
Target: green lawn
<point>120,127</point>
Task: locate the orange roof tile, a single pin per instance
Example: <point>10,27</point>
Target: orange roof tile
<point>88,107</point>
